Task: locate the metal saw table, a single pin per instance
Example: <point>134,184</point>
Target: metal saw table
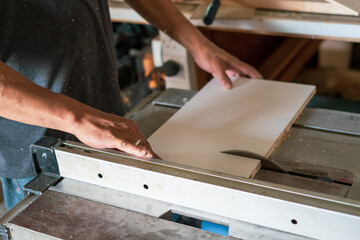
<point>321,201</point>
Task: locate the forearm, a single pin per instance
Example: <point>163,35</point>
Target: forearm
<point>23,101</point>
<point>165,16</point>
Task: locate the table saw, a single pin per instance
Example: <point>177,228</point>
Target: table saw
<point>163,200</point>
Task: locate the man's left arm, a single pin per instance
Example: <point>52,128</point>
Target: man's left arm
<point>165,16</point>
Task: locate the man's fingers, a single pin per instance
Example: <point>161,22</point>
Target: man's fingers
<point>143,138</point>
<point>246,69</point>
<point>222,76</point>
<point>135,148</point>
<point>136,142</point>
<point>233,73</point>
<point>253,73</point>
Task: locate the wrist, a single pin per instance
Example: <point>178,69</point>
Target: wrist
<point>198,44</point>
<point>188,36</point>
<point>72,116</point>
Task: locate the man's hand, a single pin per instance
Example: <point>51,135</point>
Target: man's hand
<point>221,64</point>
<point>102,130</point>
<point>23,101</point>
<point>206,54</point>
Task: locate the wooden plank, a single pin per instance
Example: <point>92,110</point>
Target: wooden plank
<point>289,59</point>
<point>300,61</point>
<point>312,6</point>
<point>315,26</point>
<point>253,116</point>
<point>280,59</point>
<point>350,4</point>
<point>343,28</point>
<point>339,7</point>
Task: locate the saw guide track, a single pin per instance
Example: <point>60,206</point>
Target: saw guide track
<point>254,116</point>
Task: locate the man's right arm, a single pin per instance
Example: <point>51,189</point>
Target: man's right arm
<point>23,101</point>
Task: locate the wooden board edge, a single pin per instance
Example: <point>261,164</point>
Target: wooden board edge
<point>285,133</point>
<point>256,170</point>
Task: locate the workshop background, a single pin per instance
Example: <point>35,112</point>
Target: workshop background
<point>333,66</point>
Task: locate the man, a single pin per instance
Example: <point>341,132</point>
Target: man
<point>53,52</point>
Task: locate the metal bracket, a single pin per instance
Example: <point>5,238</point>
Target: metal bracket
<point>42,182</point>
<point>44,155</point>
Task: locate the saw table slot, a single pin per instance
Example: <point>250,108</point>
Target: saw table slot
<point>315,185</point>
<point>197,222</point>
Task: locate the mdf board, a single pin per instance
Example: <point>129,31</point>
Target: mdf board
<point>253,116</point>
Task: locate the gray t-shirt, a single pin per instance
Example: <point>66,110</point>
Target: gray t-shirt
<point>65,46</point>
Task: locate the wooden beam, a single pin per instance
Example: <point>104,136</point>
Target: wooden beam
<point>343,7</point>
<point>350,4</point>
<point>300,61</point>
<point>313,6</point>
<point>289,59</point>
<point>280,59</point>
